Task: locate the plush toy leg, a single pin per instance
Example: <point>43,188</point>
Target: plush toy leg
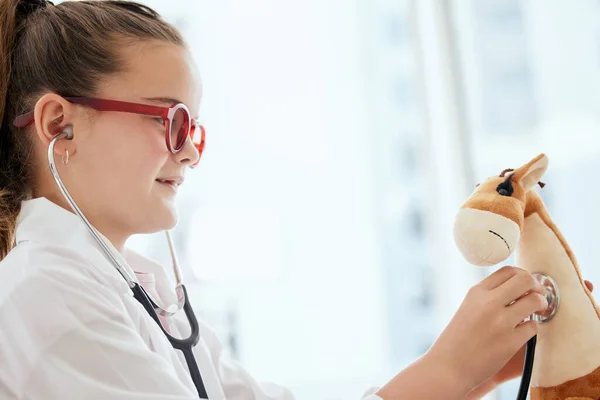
<point>579,398</point>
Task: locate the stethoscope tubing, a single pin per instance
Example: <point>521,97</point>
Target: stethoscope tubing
<point>184,345</point>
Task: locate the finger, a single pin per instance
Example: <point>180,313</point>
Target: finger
<point>518,286</point>
<point>498,277</point>
<point>524,332</point>
<point>525,306</point>
<point>589,285</point>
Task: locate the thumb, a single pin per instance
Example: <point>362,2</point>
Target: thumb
<point>589,285</point>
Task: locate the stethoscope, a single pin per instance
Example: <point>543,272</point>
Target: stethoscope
<point>152,307</point>
<point>553,299</point>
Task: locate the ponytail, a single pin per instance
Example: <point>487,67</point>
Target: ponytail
<point>12,187</point>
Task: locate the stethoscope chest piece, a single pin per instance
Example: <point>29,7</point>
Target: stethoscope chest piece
<point>552,296</point>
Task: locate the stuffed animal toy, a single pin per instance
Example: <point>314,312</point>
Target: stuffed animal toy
<point>503,215</point>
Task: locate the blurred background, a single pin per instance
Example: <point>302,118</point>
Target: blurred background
<point>342,137</point>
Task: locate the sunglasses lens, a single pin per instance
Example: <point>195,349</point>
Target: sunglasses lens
<point>180,127</point>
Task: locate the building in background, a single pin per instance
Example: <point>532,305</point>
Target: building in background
<point>396,114</point>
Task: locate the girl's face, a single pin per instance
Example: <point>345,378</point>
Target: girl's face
<point>118,161</point>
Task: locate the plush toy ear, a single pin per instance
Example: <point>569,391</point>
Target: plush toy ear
<point>531,173</point>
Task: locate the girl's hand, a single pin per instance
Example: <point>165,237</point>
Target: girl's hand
<point>511,370</point>
<point>488,329</point>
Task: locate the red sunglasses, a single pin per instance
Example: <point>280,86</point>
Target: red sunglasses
<point>179,125</point>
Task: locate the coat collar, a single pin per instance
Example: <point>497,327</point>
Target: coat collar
<point>42,221</point>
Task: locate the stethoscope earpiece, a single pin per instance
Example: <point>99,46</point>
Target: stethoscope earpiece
<point>68,132</point>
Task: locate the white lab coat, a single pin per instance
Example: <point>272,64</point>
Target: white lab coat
<point>71,329</point>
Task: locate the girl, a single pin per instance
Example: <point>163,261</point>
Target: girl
<point>116,84</point>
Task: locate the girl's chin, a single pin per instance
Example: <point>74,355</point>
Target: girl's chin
<point>163,218</point>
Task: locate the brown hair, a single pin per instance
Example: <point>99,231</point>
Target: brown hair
<point>64,49</point>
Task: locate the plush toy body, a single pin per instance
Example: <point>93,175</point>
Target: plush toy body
<point>504,214</point>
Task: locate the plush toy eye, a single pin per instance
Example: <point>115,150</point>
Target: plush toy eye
<point>505,188</point>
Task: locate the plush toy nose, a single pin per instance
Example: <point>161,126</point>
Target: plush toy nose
<point>485,238</point>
